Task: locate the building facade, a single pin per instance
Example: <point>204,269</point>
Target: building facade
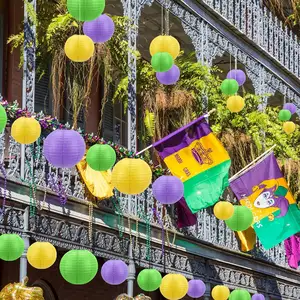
<point>243,30</point>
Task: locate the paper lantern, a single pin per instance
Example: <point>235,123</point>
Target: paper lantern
<point>223,210</point>
<point>240,295</point>
<point>99,30</point>
<point>41,255</point>
<point>78,266</point>
<point>291,107</point>
<point>3,118</point>
<point>241,219</point>
<point>170,77</point>
<point>289,127</point>
<point>284,115</point>
<point>131,176</point>
<point>220,292</point>
<point>258,297</point>
<point>101,157</point>
<point>83,10</point>
<point>168,189</point>
<point>149,280</point>
<point>64,148</point>
<point>235,103</point>
<point>26,130</point>
<point>237,75</point>
<point>174,286</point>
<point>229,87</point>
<point>79,48</point>
<point>114,272</point>
<point>197,288</point>
<point>11,247</point>
<point>162,61</point>
<point>165,43</point>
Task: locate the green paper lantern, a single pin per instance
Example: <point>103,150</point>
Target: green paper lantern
<point>240,295</point>
<point>229,87</point>
<point>241,219</point>
<point>149,280</point>
<point>11,247</point>
<point>83,10</point>
<point>3,118</point>
<point>162,61</point>
<point>101,157</point>
<point>78,266</point>
<point>284,115</point>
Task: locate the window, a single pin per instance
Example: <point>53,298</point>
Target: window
<point>120,124</point>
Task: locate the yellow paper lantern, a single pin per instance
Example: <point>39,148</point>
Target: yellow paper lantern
<point>41,255</point>
<point>220,292</point>
<point>79,48</point>
<point>26,130</point>
<point>131,176</point>
<point>235,103</point>
<point>289,127</point>
<point>174,286</point>
<point>223,210</point>
<point>165,43</point>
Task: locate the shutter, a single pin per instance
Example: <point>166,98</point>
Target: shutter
<point>108,120</point>
<point>42,101</point>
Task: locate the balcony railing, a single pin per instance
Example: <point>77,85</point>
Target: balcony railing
<point>262,27</point>
<point>208,228</point>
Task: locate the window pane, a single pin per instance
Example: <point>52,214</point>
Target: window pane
<point>124,135</point>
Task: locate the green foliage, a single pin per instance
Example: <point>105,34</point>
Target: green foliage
<point>149,121</point>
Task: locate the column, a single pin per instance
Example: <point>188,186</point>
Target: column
<point>25,236</point>
<point>131,272</point>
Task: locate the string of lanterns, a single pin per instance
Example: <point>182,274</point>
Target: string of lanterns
<point>79,267</point>
<point>285,115</point>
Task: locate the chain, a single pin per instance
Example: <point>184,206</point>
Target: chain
<point>91,210</point>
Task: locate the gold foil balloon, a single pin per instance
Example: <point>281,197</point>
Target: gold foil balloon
<point>289,127</point>
<point>19,291</point>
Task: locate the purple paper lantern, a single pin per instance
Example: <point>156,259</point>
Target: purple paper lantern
<point>167,189</point>
<point>196,288</point>
<point>64,148</point>
<point>238,75</point>
<point>291,107</point>
<point>258,297</point>
<point>170,77</point>
<point>114,272</point>
<point>99,30</point>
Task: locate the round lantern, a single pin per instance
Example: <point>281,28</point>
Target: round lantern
<point>101,157</point>
<point>240,295</point>
<point>223,210</point>
<point>83,10</point>
<point>114,272</point>
<point>162,61</point>
<point>229,87</point>
<point>220,292</point>
<point>11,247</point>
<point>284,115</point>
<point>64,148</point>
<point>289,127</point>
<point>174,286</point>
<point>241,219</point>
<point>165,43</point>
<point>291,107</point>
<point>41,255</point>
<point>258,297</point>
<point>196,288</point>
<point>99,30</point>
<point>3,118</point>
<point>149,280</point>
<point>78,266</point>
<point>235,103</point>
<point>26,130</point>
<point>131,176</point>
<point>170,77</point>
<point>237,75</point>
<point>79,48</point>
<point>168,189</point>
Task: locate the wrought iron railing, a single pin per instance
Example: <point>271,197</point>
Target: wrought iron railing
<point>207,229</point>
<point>262,27</point>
